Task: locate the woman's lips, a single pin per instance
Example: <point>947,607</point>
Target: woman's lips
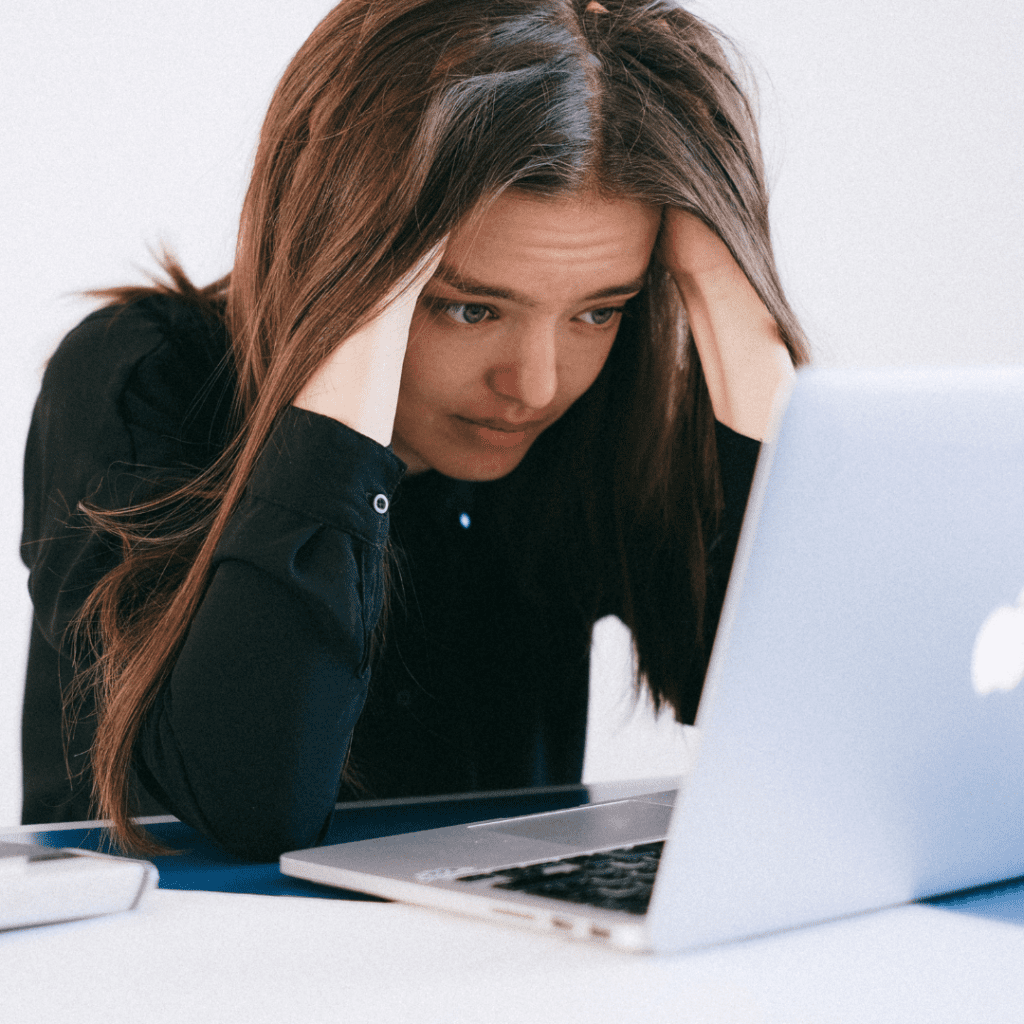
<point>499,438</point>
<point>498,433</point>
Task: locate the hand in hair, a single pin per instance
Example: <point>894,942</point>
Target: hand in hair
<point>358,383</point>
<point>744,360</point>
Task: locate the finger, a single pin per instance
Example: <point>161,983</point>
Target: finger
<point>692,247</point>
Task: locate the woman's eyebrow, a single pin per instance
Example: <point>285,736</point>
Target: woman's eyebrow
<point>471,286</point>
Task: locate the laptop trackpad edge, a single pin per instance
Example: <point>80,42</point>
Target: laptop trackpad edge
<point>591,827</point>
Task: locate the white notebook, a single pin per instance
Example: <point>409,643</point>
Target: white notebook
<point>40,884</point>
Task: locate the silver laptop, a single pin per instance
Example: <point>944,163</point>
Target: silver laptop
<point>861,726</point>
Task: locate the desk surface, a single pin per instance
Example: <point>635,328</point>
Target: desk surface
<point>225,956</point>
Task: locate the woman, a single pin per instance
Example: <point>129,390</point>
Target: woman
<point>517,251</point>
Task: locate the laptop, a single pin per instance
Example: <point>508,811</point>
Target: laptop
<point>861,726</point>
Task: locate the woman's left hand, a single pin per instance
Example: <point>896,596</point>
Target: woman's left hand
<point>744,359</point>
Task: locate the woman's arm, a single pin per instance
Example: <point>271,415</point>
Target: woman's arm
<point>744,360</point>
<point>248,737</point>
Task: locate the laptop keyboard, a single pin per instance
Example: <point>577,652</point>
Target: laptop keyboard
<point>613,879</point>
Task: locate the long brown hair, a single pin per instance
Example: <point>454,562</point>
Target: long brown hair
<point>395,120</point>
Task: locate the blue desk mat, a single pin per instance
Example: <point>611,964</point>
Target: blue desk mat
<point>202,865</point>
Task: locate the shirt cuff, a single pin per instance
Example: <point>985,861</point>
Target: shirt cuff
<point>319,467</point>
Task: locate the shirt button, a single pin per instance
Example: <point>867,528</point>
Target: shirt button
<point>380,503</point>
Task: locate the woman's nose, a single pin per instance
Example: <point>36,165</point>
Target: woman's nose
<point>530,376</point>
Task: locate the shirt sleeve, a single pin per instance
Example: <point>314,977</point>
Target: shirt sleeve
<point>248,737</point>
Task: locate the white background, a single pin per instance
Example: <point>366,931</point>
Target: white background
<point>894,146</point>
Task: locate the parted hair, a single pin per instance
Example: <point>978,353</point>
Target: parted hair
<point>395,121</point>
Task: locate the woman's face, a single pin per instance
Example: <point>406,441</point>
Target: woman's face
<point>515,326</point>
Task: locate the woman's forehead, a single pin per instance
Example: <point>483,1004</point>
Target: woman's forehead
<point>585,241</point>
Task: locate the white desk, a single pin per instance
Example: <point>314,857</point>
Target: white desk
<point>215,957</point>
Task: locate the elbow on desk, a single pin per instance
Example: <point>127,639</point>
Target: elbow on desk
<point>256,828</point>
<point>262,839</point>
<point>257,833</point>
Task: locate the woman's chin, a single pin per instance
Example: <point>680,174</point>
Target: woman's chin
<point>478,463</point>
<point>481,466</point>
<point>470,451</point>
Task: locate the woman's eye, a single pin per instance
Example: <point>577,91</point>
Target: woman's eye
<point>468,313</point>
<point>600,317</point>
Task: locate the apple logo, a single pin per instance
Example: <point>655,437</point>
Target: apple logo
<point>997,662</point>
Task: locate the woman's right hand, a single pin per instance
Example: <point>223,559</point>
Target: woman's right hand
<point>358,382</point>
